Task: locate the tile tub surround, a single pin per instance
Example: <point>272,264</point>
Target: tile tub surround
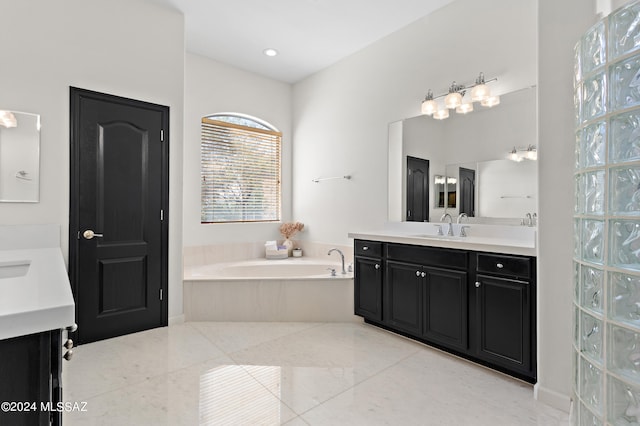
<point>289,373</point>
<point>268,299</point>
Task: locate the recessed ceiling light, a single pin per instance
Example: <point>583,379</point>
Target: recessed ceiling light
<point>270,52</point>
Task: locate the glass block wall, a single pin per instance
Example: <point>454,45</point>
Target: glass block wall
<point>606,364</point>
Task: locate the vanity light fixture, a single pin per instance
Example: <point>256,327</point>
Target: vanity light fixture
<point>7,119</point>
<point>528,153</point>
<point>455,98</point>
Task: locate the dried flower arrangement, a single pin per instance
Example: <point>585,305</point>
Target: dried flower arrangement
<point>289,229</point>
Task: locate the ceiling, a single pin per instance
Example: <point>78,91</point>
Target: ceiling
<point>309,35</point>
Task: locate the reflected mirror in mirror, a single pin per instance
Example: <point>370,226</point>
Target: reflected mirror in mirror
<point>485,136</point>
<point>445,189</point>
<point>19,157</point>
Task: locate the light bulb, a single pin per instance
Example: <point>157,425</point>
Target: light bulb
<point>429,106</point>
<point>480,92</point>
<point>532,153</point>
<point>441,114</point>
<point>465,108</point>
<point>453,100</point>
<point>491,101</point>
<point>513,155</point>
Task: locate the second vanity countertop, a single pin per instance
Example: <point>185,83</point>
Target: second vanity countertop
<point>520,240</point>
<point>39,300</point>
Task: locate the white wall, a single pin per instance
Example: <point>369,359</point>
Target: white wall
<point>122,47</point>
<point>341,114</point>
<point>506,188</point>
<point>212,87</point>
<point>561,24</point>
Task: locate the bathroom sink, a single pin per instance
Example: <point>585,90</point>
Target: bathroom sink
<point>14,269</point>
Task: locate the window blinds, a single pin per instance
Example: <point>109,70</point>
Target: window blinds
<point>240,169</point>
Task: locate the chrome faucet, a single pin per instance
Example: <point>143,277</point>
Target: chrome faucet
<point>447,215</point>
<point>341,257</point>
<point>461,216</point>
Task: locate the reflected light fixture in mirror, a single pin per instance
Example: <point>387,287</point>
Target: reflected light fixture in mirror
<point>528,153</point>
<point>455,98</point>
<point>8,119</point>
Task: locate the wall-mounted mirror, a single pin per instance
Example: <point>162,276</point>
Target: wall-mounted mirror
<point>476,145</point>
<point>19,157</point>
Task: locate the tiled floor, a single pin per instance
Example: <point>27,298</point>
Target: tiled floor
<point>288,373</point>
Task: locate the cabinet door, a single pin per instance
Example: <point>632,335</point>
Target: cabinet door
<point>403,297</point>
<point>446,308</point>
<point>503,316</point>
<point>368,288</point>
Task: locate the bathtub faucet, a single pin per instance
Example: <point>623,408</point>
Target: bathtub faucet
<point>341,258</point>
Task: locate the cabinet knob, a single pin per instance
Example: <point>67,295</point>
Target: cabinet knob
<point>68,355</point>
<point>365,248</point>
<point>377,266</point>
<point>500,265</point>
<point>424,274</point>
<point>417,273</point>
<point>477,284</point>
<point>68,344</point>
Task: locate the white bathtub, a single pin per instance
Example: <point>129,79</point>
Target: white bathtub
<point>263,269</point>
<point>294,289</point>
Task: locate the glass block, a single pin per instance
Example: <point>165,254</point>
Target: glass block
<point>624,352</point>
<point>624,403</point>
<point>578,148</point>
<point>577,241</point>
<point>593,148</point>
<point>577,66</point>
<point>625,83</point>
<point>624,297</point>
<point>577,104</point>
<point>624,243</point>
<point>579,192</point>
<point>591,385</point>
<point>587,418</point>
<point>591,336</point>
<point>624,30</point>
<point>576,282</point>
<point>625,191</point>
<point>591,288</point>
<point>624,137</point>
<point>593,49</point>
<point>594,98</point>
<point>575,377</point>
<point>593,241</point>
<point>576,326</point>
<point>594,192</point>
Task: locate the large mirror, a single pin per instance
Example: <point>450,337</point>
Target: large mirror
<point>470,152</point>
<point>19,157</point>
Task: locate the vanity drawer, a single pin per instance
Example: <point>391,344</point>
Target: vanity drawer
<point>368,248</point>
<point>428,256</point>
<point>510,266</point>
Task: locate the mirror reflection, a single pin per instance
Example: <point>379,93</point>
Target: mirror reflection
<point>19,156</point>
<point>473,150</point>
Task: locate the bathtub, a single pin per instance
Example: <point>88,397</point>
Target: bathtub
<point>294,289</point>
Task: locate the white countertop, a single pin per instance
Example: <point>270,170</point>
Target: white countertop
<point>486,238</point>
<point>38,301</point>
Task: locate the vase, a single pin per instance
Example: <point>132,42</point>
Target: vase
<point>289,245</point>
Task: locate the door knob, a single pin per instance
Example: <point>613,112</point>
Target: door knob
<point>377,266</point>
<point>89,234</point>
<point>477,284</point>
<point>417,273</point>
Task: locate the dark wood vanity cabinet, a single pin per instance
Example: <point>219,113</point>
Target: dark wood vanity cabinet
<point>504,320</point>
<point>368,289</point>
<point>477,305</point>
<point>30,379</point>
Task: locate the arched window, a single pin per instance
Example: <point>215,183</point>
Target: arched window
<point>240,167</point>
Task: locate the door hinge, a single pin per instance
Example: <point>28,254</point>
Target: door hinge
<point>161,135</point>
<point>161,295</point>
<point>161,215</point>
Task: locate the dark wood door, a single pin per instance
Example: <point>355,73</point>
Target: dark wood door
<point>467,191</point>
<point>403,297</point>
<point>368,288</point>
<point>503,315</point>
<point>417,190</point>
<point>119,214</point>
<point>446,308</point>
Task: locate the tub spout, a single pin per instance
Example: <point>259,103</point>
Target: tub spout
<point>341,257</point>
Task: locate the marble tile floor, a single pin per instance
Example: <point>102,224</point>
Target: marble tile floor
<point>213,373</point>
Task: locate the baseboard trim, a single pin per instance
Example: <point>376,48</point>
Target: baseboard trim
<point>552,398</point>
<point>178,319</point>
